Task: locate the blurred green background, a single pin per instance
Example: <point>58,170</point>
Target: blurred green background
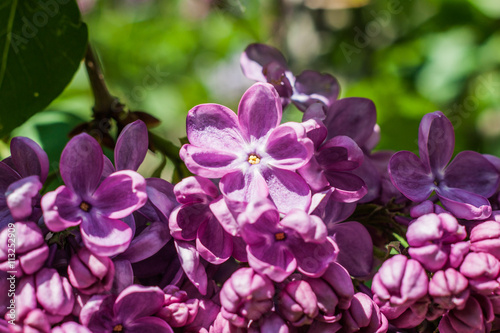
<point>409,57</point>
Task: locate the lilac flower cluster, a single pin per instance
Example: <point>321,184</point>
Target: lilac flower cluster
<point>275,230</point>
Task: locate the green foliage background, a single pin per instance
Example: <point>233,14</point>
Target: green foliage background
<point>410,57</point>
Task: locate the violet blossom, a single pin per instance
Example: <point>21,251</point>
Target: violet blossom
<point>462,187</point>
<point>254,155</point>
<point>93,205</point>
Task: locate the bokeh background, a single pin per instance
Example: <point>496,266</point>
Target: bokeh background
<point>410,57</point>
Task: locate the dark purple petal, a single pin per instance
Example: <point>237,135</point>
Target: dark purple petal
<point>20,196</point>
<point>190,262</point>
<point>276,261</point>
<point>436,141</point>
<point>347,187</point>
<point>330,210</point>
<point>148,325</point>
<point>289,147</point>
<point>29,158</point>
<point>61,209</point>
<point>310,227</point>
<point>287,189</point>
<point>259,111</point>
<point>354,117</point>
<point>213,243</point>
<point>225,216</point>
<point>160,197</point>
<point>472,172</point>
<point>132,146</point>
<point>136,302</point>
<point>256,57</point>
<point>340,153</point>
<point>313,87</point>
<point>313,258</point>
<point>149,242</point>
<point>313,174</point>
<point>97,314</point>
<point>7,177</point>
<point>124,275</point>
<point>186,219</point>
<point>244,186</point>
<point>410,176</point>
<point>355,247</point>
<point>119,195</point>
<point>209,163</point>
<point>81,164</point>
<point>316,130</point>
<point>214,127</point>
<point>464,204</point>
<point>104,236</point>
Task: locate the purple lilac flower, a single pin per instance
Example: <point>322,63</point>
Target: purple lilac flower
<point>363,316</point>
<point>36,321</point>
<point>131,311</point>
<point>485,237</point>
<point>31,250</point>
<point>90,274</point>
<point>482,270</point>
<point>277,247</point>
<point>178,310</point>
<point>21,176</point>
<point>264,63</point>
<point>297,303</point>
<point>246,296</point>
<point>462,187</point>
<point>93,205</point>
<point>449,289</point>
<point>70,327</point>
<point>254,155</point>
<point>436,241</point>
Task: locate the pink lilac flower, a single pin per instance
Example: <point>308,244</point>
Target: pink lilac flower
<point>254,155</point>
<point>277,247</point>
<point>93,205</point>
<point>178,310</point>
<point>485,237</point>
<point>363,316</point>
<point>482,270</point>
<point>462,187</point>
<point>21,177</point>
<point>31,250</point>
<point>131,311</point>
<point>264,63</point>
<point>297,303</point>
<point>449,289</point>
<point>246,296</point>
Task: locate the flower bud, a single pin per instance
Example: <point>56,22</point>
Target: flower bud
<point>178,310</point>
<point>36,321</point>
<point>485,237</point>
<point>430,238</point>
<point>31,250</point>
<point>298,303</point>
<point>449,289</point>
<point>54,293</point>
<point>482,270</point>
<point>89,273</point>
<point>246,296</point>
<point>70,327</point>
<point>400,282</point>
<point>271,323</point>
<point>363,315</point>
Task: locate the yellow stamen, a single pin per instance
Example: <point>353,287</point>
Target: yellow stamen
<point>279,236</point>
<point>253,159</point>
<point>84,206</point>
<point>118,328</point>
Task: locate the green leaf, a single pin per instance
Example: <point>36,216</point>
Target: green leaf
<point>41,45</point>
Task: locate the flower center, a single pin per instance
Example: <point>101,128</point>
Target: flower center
<point>253,159</point>
<point>118,328</point>
<point>86,207</point>
<point>279,236</point>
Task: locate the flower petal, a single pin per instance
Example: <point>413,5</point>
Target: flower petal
<point>148,325</point>
<point>277,262</point>
<point>190,262</point>
<point>7,177</point>
<point>215,127</point>
<point>436,141</point>
<point>348,187</point>
<point>213,243</point>
<point>464,204</point>
<point>132,146</point>
<point>208,162</point>
<point>259,111</point>
<point>313,258</point>
<point>104,236</point>
<point>20,196</point>
<point>186,219</point>
<point>289,147</point>
<point>354,117</point>
<point>472,172</point>
<point>340,153</point>
<point>61,209</point>
<point>256,57</point>
<point>147,243</point>
<point>313,87</point>
<point>29,158</point>
<point>122,193</point>
<point>195,189</point>
<point>81,164</point>
<point>287,189</point>
<point>410,176</point>
<point>244,186</point>
<point>137,301</point>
